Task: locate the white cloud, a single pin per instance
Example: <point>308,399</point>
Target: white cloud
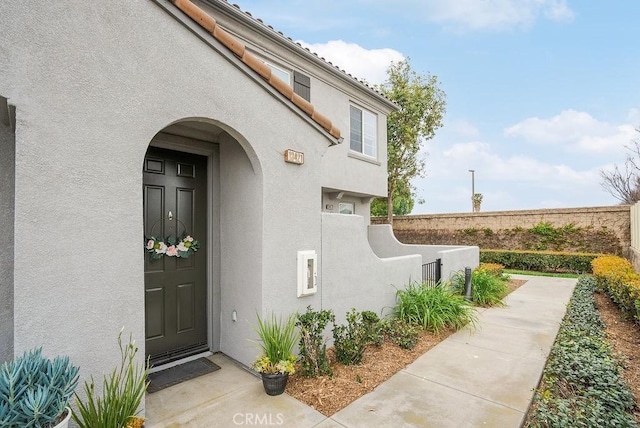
<point>557,10</point>
<point>577,131</point>
<point>495,14</point>
<point>507,182</point>
<point>366,64</point>
<point>490,165</point>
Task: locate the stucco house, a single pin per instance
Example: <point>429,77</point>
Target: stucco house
<point>121,120</point>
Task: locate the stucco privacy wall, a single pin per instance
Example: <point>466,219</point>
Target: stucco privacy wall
<point>354,277</point>
<point>90,96</point>
<point>7,181</point>
<point>615,218</point>
<point>454,258</point>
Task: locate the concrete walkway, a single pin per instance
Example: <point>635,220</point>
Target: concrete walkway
<point>474,378</point>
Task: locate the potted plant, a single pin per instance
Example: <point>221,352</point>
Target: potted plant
<point>122,392</point>
<point>278,337</point>
<point>35,391</point>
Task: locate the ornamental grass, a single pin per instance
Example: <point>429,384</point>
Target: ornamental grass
<point>278,338</point>
<point>433,307</point>
<point>488,284</point>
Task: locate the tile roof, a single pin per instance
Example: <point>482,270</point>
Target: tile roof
<point>329,64</point>
<point>234,45</point>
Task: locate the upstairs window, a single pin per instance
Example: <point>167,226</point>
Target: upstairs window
<point>301,83</point>
<point>280,73</point>
<point>362,132</point>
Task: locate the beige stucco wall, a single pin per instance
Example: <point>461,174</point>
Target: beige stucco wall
<point>614,218</point>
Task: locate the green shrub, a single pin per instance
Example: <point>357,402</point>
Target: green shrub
<point>433,307</point>
<point>350,341</point>
<point>582,385</point>
<point>619,279</point>
<point>544,228</point>
<point>495,269</point>
<point>400,332</point>
<point>373,327</point>
<point>487,288</point>
<point>313,345</point>
<point>541,261</point>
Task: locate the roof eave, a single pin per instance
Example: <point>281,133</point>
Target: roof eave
<point>279,38</point>
<point>220,48</point>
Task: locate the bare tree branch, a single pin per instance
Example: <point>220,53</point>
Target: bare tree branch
<point>623,183</point>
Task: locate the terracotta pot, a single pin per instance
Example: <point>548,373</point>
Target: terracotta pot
<point>274,384</point>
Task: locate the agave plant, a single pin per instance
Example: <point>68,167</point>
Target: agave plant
<point>34,390</point>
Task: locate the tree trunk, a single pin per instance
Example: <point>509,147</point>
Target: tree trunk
<point>390,205</point>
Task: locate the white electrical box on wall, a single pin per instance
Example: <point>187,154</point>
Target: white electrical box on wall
<point>307,273</point>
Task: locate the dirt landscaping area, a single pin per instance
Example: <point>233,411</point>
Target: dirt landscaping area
<point>624,336</point>
<point>348,383</point>
<point>328,395</point>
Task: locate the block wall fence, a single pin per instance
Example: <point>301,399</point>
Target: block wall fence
<point>419,229</point>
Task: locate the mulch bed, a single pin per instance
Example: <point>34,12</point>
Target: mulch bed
<point>624,336</point>
<point>328,395</point>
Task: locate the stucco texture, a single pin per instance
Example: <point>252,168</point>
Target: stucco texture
<point>90,95</point>
<point>354,277</point>
<point>7,171</point>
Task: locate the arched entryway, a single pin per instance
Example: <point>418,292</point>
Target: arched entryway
<point>180,200</point>
<point>202,179</point>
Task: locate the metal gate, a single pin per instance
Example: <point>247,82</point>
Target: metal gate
<point>432,272</point>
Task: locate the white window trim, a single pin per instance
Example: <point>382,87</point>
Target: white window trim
<point>372,115</point>
<point>278,71</point>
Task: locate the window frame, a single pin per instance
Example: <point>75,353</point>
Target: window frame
<point>368,132</point>
<point>345,204</point>
<point>279,71</point>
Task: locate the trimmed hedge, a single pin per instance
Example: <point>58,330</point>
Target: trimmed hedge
<point>540,261</point>
<point>619,280</point>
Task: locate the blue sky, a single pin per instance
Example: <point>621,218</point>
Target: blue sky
<point>541,94</point>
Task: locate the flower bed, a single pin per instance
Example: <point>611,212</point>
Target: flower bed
<point>617,278</point>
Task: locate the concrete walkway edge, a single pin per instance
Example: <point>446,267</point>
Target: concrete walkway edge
<point>477,377</point>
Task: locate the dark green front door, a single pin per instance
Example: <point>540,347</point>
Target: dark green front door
<point>175,203</point>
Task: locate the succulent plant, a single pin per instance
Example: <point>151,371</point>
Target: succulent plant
<point>35,390</point>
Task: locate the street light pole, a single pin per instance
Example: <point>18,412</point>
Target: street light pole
<point>473,186</point>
